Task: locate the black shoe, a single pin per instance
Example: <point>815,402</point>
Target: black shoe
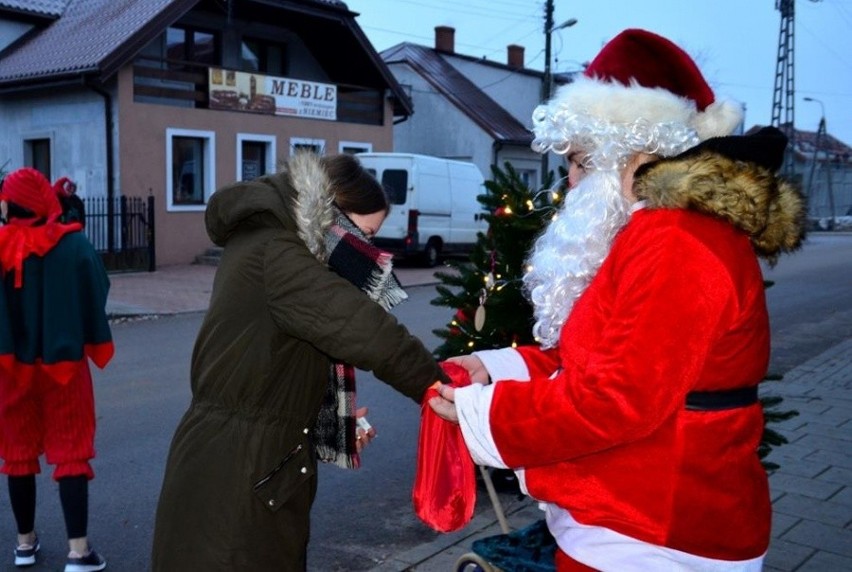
<point>91,562</point>
<point>25,554</point>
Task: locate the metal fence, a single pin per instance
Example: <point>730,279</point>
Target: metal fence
<point>122,231</point>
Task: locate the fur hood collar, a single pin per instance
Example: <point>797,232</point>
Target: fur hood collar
<point>298,198</point>
<point>313,202</point>
<point>767,208</point>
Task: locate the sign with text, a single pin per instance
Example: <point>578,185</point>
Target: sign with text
<point>258,93</point>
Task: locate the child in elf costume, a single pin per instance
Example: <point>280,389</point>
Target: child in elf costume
<point>52,321</point>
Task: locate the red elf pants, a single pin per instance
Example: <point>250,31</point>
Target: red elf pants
<point>44,416</point>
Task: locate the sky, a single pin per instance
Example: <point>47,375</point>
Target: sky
<point>734,42</point>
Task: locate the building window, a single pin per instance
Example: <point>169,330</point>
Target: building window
<point>263,56</point>
<point>186,44</point>
<point>528,177</point>
<point>395,182</point>
<point>302,144</point>
<point>37,155</point>
<point>255,156</point>
<point>353,147</point>
<point>190,168</point>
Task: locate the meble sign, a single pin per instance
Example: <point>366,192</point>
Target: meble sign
<point>258,93</point>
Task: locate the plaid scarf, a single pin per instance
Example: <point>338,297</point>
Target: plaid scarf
<point>352,257</point>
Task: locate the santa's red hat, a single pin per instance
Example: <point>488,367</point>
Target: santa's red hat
<point>29,189</point>
<point>640,93</point>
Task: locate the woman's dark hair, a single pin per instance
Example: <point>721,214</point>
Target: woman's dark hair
<point>17,211</point>
<point>355,189</point>
<point>73,209</point>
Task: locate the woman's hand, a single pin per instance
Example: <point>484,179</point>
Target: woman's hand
<point>364,432</point>
<point>474,366</point>
<point>444,406</point>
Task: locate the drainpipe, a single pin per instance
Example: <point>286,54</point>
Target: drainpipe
<point>110,167</point>
<point>497,146</point>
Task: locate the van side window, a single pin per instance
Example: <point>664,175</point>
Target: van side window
<point>395,182</point>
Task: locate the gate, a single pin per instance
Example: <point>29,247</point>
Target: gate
<point>122,232</point>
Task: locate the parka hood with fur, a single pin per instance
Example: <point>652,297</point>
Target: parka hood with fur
<point>299,198</point>
<point>747,195</point>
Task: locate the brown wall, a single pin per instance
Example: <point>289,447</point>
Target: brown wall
<point>141,165</point>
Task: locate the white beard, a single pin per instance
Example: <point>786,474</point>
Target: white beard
<point>565,258</point>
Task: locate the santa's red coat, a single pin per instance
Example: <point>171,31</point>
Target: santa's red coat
<point>677,306</point>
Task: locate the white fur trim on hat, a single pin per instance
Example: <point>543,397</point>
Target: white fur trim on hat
<point>609,120</point>
<point>720,119</point>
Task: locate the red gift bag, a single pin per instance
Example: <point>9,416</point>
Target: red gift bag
<point>444,493</point>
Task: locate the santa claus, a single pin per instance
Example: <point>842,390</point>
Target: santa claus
<point>636,420</point>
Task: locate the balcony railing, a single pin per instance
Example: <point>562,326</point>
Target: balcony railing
<point>185,84</point>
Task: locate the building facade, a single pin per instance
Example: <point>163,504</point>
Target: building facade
<point>175,98</point>
<point>470,108</point>
<point>823,165</point>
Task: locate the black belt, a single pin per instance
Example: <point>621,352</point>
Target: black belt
<point>721,400</point>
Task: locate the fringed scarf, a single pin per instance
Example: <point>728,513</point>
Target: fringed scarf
<point>352,257</point>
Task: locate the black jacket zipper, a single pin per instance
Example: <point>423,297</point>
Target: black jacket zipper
<point>280,466</point>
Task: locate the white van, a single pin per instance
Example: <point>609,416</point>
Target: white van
<point>434,210</point>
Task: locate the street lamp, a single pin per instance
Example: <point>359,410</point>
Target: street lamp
<point>821,133</point>
<point>547,83</point>
<point>548,77</point>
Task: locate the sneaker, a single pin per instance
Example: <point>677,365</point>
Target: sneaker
<point>88,563</point>
<point>25,554</point>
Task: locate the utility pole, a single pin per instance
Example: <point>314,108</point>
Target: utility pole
<point>782,97</point>
<point>821,136</point>
<point>785,88</point>
<point>547,80</point>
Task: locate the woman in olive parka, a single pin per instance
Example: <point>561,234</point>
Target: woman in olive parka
<point>241,472</point>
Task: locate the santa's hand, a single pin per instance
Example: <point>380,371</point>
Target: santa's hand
<point>474,366</point>
<point>444,405</point>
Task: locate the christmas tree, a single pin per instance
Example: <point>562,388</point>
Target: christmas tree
<point>486,290</point>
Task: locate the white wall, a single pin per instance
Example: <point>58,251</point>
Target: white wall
<point>73,119</point>
<point>437,127</point>
<point>11,30</point>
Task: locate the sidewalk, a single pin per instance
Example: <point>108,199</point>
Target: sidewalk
<point>179,289</point>
<point>811,492</point>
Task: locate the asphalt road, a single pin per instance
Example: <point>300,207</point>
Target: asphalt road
<point>810,301</point>
<point>359,517</point>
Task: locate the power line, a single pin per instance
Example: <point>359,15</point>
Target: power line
<point>526,22</point>
<point>820,40</point>
<point>454,8</point>
<point>843,10</point>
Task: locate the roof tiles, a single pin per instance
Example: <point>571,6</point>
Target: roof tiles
<point>53,8</point>
<point>88,33</point>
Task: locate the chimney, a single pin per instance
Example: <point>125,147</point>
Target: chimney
<point>445,39</point>
<point>515,56</point>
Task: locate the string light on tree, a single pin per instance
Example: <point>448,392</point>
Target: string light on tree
<point>486,290</point>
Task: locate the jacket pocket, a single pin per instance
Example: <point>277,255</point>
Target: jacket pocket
<point>276,487</point>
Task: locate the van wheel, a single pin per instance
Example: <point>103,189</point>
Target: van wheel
<point>431,254</point>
